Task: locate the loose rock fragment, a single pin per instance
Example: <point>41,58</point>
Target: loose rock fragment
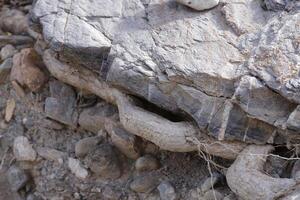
<point>19,90</point>
<point>77,169</point>
<point>10,108</point>
<point>86,145</point>
<point>17,178</point>
<point>296,171</point>
<point>5,68</point>
<point>147,163</point>
<point>200,4</point>
<point>51,154</point>
<point>209,183</point>
<point>166,191</point>
<point>104,162</point>
<point>14,21</point>
<point>23,150</point>
<point>7,51</point>
<point>26,70</point>
<point>144,183</point>
<point>15,40</point>
<point>213,195</point>
<point>124,141</point>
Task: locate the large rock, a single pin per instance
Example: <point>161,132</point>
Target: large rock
<point>196,63</point>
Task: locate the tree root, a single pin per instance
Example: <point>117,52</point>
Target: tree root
<point>246,178</point>
<point>168,135</point>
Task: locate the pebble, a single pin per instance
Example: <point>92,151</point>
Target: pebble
<point>147,163</point>
<point>213,195</point>
<point>199,4</point>
<point>144,183</point>
<point>209,183</point>
<point>17,178</point>
<point>51,154</point>
<point>77,169</point>
<point>103,162</point>
<point>86,145</point>
<point>23,150</point>
<point>166,191</point>
<point>7,51</point>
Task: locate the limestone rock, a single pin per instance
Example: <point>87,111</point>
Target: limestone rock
<point>146,163</point>
<point>199,4</point>
<point>26,70</point>
<point>23,150</point>
<point>86,145</point>
<point>77,169</point>
<point>61,106</point>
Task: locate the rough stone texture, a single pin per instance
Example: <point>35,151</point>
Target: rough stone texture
<point>186,61</point>
<point>26,70</point>
<point>61,106</point>
<point>5,68</point>
<point>166,191</point>
<point>144,183</point>
<point>51,154</point>
<point>147,163</point>
<point>7,51</point>
<point>199,4</point>
<point>13,21</point>
<point>77,169</point>
<point>86,145</point>
<point>17,178</point>
<point>23,150</point>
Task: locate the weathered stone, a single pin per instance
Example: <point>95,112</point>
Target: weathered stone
<point>147,163</point>
<point>23,150</point>
<point>209,183</point>
<point>5,68</point>
<point>77,169</point>
<point>200,4</point>
<point>51,154</point>
<point>7,51</point>
<point>144,183</point>
<point>296,170</point>
<point>15,40</point>
<point>93,119</point>
<point>61,106</point>
<point>124,141</point>
<point>293,121</point>
<point>86,145</point>
<point>17,178</point>
<point>213,195</point>
<point>26,70</point>
<point>166,191</point>
<point>104,162</point>
<point>14,21</point>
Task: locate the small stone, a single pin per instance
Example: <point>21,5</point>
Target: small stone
<point>213,195</point>
<point>144,183</point>
<point>296,170</point>
<point>7,51</point>
<point>230,197</point>
<point>3,125</point>
<point>147,163</point>
<point>23,150</point>
<point>166,191</point>
<point>86,145</point>
<point>111,194</point>
<point>15,40</point>
<point>10,108</point>
<point>77,169</point>
<point>17,178</point>
<point>209,183</point>
<point>5,68</point>
<point>48,123</point>
<point>51,154</point>
<point>199,4</point>
<point>124,141</point>
<point>14,21</point>
<point>61,106</point>
<point>19,90</point>
<point>104,162</point>
<point>26,70</point>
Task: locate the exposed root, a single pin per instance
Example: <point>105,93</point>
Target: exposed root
<point>246,178</point>
<point>168,135</point>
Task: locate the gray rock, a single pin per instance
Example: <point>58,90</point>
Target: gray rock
<point>7,51</point>
<point>5,68</point>
<point>296,170</point>
<point>23,150</point>
<point>51,154</point>
<point>93,118</point>
<point>15,40</point>
<point>86,145</point>
<point>76,168</point>
<point>14,21</point>
<point>166,191</point>
<point>279,5</point>
<point>144,183</point>
<point>293,122</point>
<point>213,195</point>
<point>104,162</point>
<point>17,178</point>
<point>61,106</point>
<point>126,143</point>
<point>200,4</point>
<point>209,183</point>
<point>146,163</point>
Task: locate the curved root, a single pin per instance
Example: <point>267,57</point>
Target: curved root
<point>246,178</point>
<point>172,136</point>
